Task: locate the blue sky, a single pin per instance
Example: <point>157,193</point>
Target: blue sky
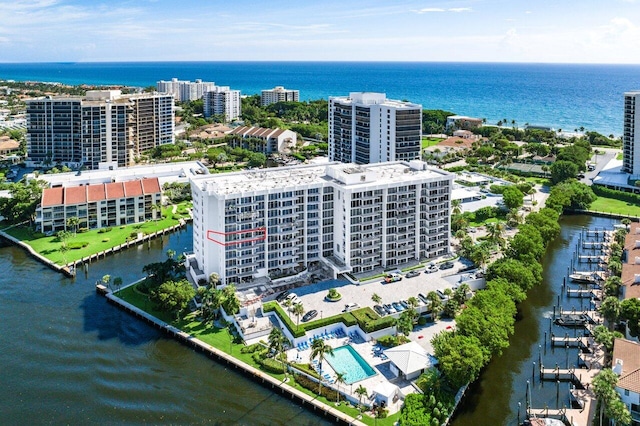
<point>575,31</point>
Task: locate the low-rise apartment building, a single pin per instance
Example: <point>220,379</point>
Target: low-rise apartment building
<point>626,364</point>
<point>271,140</point>
<point>99,206</point>
<point>353,219</point>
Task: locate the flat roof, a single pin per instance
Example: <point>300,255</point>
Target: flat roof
<point>164,172</point>
<point>345,174</point>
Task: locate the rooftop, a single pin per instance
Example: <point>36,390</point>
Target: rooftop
<point>626,357</point>
<point>88,193</point>
<point>349,175</point>
<point>631,268</point>
<point>167,172</point>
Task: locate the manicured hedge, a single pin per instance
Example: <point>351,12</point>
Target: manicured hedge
<point>628,197</point>
<point>346,318</point>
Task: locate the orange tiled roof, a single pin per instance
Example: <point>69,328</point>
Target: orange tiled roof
<point>628,353</point>
<point>631,268</point>
<point>104,191</point>
<point>52,197</point>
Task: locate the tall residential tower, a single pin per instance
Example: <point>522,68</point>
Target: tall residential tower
<point>104,127</point>
<point>366,127</point>
<point>354,219</point>
<point>631,135</point>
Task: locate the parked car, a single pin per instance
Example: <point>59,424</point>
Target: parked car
<point>291,297</point>
<point>282,296</point>
<point>431,269</point>
<point>441,295</point>
<point>380,310</point>
<point>446,265</point>
<point>392,278</point>
<point>405,304</point>
<point>412,274</point>
<point>423,298</point>
<point>350,307</point>
<point>390,309</point>
<point>398,307</point>
<point>310,315</point>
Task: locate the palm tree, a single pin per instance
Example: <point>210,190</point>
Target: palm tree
<point>214,280</point>
<point>495,231</point>
<point>155,208</point>
<point>298,310</point>
<point>435,304</point>
<point>318,350</point>
<point>171,253</point>
<point>117,282</point>
<point>340,379</point>
<point>276,344</point>
<point>413,302</point>
<point>361,391</point>
<point>106,280</point>
<point>73,221</point>
<point>376,298</point>
<point>455,207</point>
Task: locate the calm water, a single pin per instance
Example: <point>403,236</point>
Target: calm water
<point>494,398</point>
<point>562,96</point>
<point>68,357</point>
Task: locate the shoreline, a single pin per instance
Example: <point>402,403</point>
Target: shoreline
<point>70,269</point>
<point>258,376</point>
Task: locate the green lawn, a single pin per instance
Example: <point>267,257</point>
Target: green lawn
<point>49,247</point>
<point>619,156</point>
<point>427,142</point>
<point>610,205</point>
<point>538,181</point>
<point>221,340</point>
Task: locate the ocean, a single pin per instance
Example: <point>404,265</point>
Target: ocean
<point>562,96</point>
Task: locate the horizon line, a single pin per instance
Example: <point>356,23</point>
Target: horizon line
<point>320,61</point>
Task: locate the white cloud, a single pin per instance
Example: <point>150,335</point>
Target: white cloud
<point>440,10</point>
<point>430,10</point>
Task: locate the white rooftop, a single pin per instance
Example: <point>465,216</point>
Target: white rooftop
<point>299,177</point>
<point>166,172</point>
<point>612,175</point>
<point>409,358</point>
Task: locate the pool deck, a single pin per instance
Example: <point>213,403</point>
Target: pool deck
<point>381,367</point>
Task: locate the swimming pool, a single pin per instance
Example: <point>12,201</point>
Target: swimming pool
<point>346,360</point>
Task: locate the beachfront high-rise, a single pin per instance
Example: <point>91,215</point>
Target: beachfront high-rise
<point>223,101</point>
<point>631,135</point>
<point>354,219</point>
<point>184,90</point>
<point>279,94</point>
<point>103,128</point>
<point>366,127</point>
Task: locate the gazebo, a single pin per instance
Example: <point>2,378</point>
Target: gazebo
<point>408,360</point>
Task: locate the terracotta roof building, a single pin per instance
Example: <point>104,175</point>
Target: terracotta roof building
<point>271,140</point>
<point>631,268</point>
<point>626,364</point>
<point>98,206</point>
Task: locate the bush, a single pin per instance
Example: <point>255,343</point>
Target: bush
<point>392,341</point>
<point>251,348</point>
<point>307,383</point>
<point>77,245</point>
<point>105,240</point>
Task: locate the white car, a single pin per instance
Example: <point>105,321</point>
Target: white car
<point>350,307</point>
<point>431,269</point>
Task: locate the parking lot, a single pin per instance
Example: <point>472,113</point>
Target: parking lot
<point>312,296</point>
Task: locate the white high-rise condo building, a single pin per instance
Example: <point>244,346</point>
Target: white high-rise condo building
<point>631,135</point>
<point>224,102</point>
<point>366,127</point>
<point>279,94</point>
<point>184,90</point>
<point>354,219</point>
<point>102,128</point>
